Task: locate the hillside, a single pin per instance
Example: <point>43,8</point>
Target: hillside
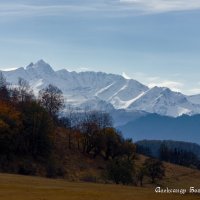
<point>175,176</point>
<point>17,187</point>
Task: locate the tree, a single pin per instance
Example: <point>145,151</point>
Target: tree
<point>113,142</point>
<point>2,80</point>
<point>10,128</point>
<point>140,149</point>
<point>178,156</point>
<point>121,170</point>
<point>51,98</point>
<point>164,152</point>
<point>24,93</point>
<point>37,138</point>
<point>70,122</point>
<point>154,169</point>
<point>128,148</point>
<point>140,175</point>
<point>4,92</point>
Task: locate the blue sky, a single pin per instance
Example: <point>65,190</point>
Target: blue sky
<point>154,41</point>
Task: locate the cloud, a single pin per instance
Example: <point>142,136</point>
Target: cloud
<point>194,91</point>
<point>158,6</point>
<point>42,8</point>
<point>145,78</point>
<point>173,85</point>
<point>152,81</point>
<point>109,6</point>
<point>58,8</point>
<point>25,9</point>
<point>125,75</point>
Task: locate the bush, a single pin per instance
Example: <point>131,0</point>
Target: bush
<point>54,169</point>
<point>27,168</point>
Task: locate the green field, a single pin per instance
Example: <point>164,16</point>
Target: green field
<point>16,187</point>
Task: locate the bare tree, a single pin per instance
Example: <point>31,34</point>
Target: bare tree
<point>51,98</point>
<point>154,169</point>
<point>4,92</point>
<point>2,80</point>
<point>24,91</point>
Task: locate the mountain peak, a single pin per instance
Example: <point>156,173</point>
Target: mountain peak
<point>29,66</point>
<point>41,66</point>
<point>81,89</point>
<point>41,62</point>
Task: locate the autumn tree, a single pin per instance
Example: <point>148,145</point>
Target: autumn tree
<point>128,148</point>
<point>113,141</point>
<point>24,91</point>
<point>51,98</point>
<point>10,128</point>
<point>37,132</point>
<point>154,169</point>
<point>140,174</point>
<point>121,170</point>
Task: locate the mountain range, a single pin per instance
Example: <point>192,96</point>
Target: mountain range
<point>101,91</point>
<point>157,127</point>
<point>138,111</point>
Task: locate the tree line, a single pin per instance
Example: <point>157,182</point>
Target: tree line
<point>170,151</point>
<point>179,156</point>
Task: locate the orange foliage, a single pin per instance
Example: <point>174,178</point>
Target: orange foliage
<point>10,118</point>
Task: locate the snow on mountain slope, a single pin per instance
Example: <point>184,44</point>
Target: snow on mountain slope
<point>98,90</point>
<point>194,99</point>
<point>97,104</point>
<point>163,101</point>
<point>80,88</point>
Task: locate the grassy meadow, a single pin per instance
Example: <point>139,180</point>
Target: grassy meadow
<point>17,187</point>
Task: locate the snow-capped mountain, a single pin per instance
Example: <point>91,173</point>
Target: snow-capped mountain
<point>80,88</point>
<point>194,98</point>
<point>101,91</point>
<point>163,101</point>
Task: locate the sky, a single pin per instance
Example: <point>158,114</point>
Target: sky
<point>153,41</point>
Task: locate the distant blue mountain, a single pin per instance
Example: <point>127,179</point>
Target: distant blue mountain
<point>156,127</point>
